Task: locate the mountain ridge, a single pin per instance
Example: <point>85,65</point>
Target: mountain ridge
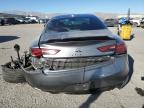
<point>49,15</point>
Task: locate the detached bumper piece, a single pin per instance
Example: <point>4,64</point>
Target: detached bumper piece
<point>12,71</point>
<point>12,75</point>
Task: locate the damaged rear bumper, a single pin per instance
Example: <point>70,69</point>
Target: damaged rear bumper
<point>109,76</point>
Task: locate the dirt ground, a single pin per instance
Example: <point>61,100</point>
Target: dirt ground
<point>24,96</point>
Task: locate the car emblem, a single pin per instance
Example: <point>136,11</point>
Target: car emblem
<point>78,50</point>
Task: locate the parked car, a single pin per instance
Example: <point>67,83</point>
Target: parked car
<point>26,20</point>
<point>29,21</point>
<point>43,21</point>
<point>77,53</point>
<point>111,22</point>
<point>142,23</point>
<point>2,21</point>
<point>33,18</point>
<point>135,21</point>
<point>11,21</point>
<point>21,20</point>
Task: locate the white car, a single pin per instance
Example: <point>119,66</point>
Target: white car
<point>136,22</point>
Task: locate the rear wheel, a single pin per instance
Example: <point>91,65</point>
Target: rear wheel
<point>12,75</point>
<point>126,81</point>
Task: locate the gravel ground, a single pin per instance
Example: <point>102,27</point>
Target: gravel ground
<point>24,96</point>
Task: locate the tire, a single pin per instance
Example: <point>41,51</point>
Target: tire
<point>12,75</point>
<point>125,82</point>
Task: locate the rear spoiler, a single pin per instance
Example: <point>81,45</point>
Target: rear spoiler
<point>98,38</point>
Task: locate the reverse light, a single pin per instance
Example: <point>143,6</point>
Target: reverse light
<point>50,51</point>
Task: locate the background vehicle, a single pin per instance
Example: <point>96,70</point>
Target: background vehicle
<point>135,21</point>
<point>43,21</point>
<point>2,21</point>
<point>77,53</point>
<point>29,21</point>
<point>142,23</point>
<point>111,22</point>
<point>11,21</point>
<point>32,19</point>
<point>21,20</point>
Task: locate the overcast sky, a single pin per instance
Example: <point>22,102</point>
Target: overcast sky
<point>73,6</point>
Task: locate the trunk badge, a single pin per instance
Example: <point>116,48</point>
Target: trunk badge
<point>78,50</point>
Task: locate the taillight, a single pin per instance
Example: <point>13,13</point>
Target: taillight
<point>38,52</point>
<point>107,48</point>
<point>118,48</point>
<point>121,48</point>
<point>50,51</point>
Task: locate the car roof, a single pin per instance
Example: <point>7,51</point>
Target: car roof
<point>73,15</point>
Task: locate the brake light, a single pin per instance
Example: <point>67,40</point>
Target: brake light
<point>121,48</point>
<point>107,48</point>
<point>118,48</point>
<point>38,52</point>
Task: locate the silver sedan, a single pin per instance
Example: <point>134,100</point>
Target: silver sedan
<point>77,53</point>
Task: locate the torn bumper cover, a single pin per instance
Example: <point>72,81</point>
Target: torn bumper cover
<point>82,79</point>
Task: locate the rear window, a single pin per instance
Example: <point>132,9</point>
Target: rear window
<point>74,23</point>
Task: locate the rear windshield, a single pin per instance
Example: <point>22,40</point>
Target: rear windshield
<point>74,23</point>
